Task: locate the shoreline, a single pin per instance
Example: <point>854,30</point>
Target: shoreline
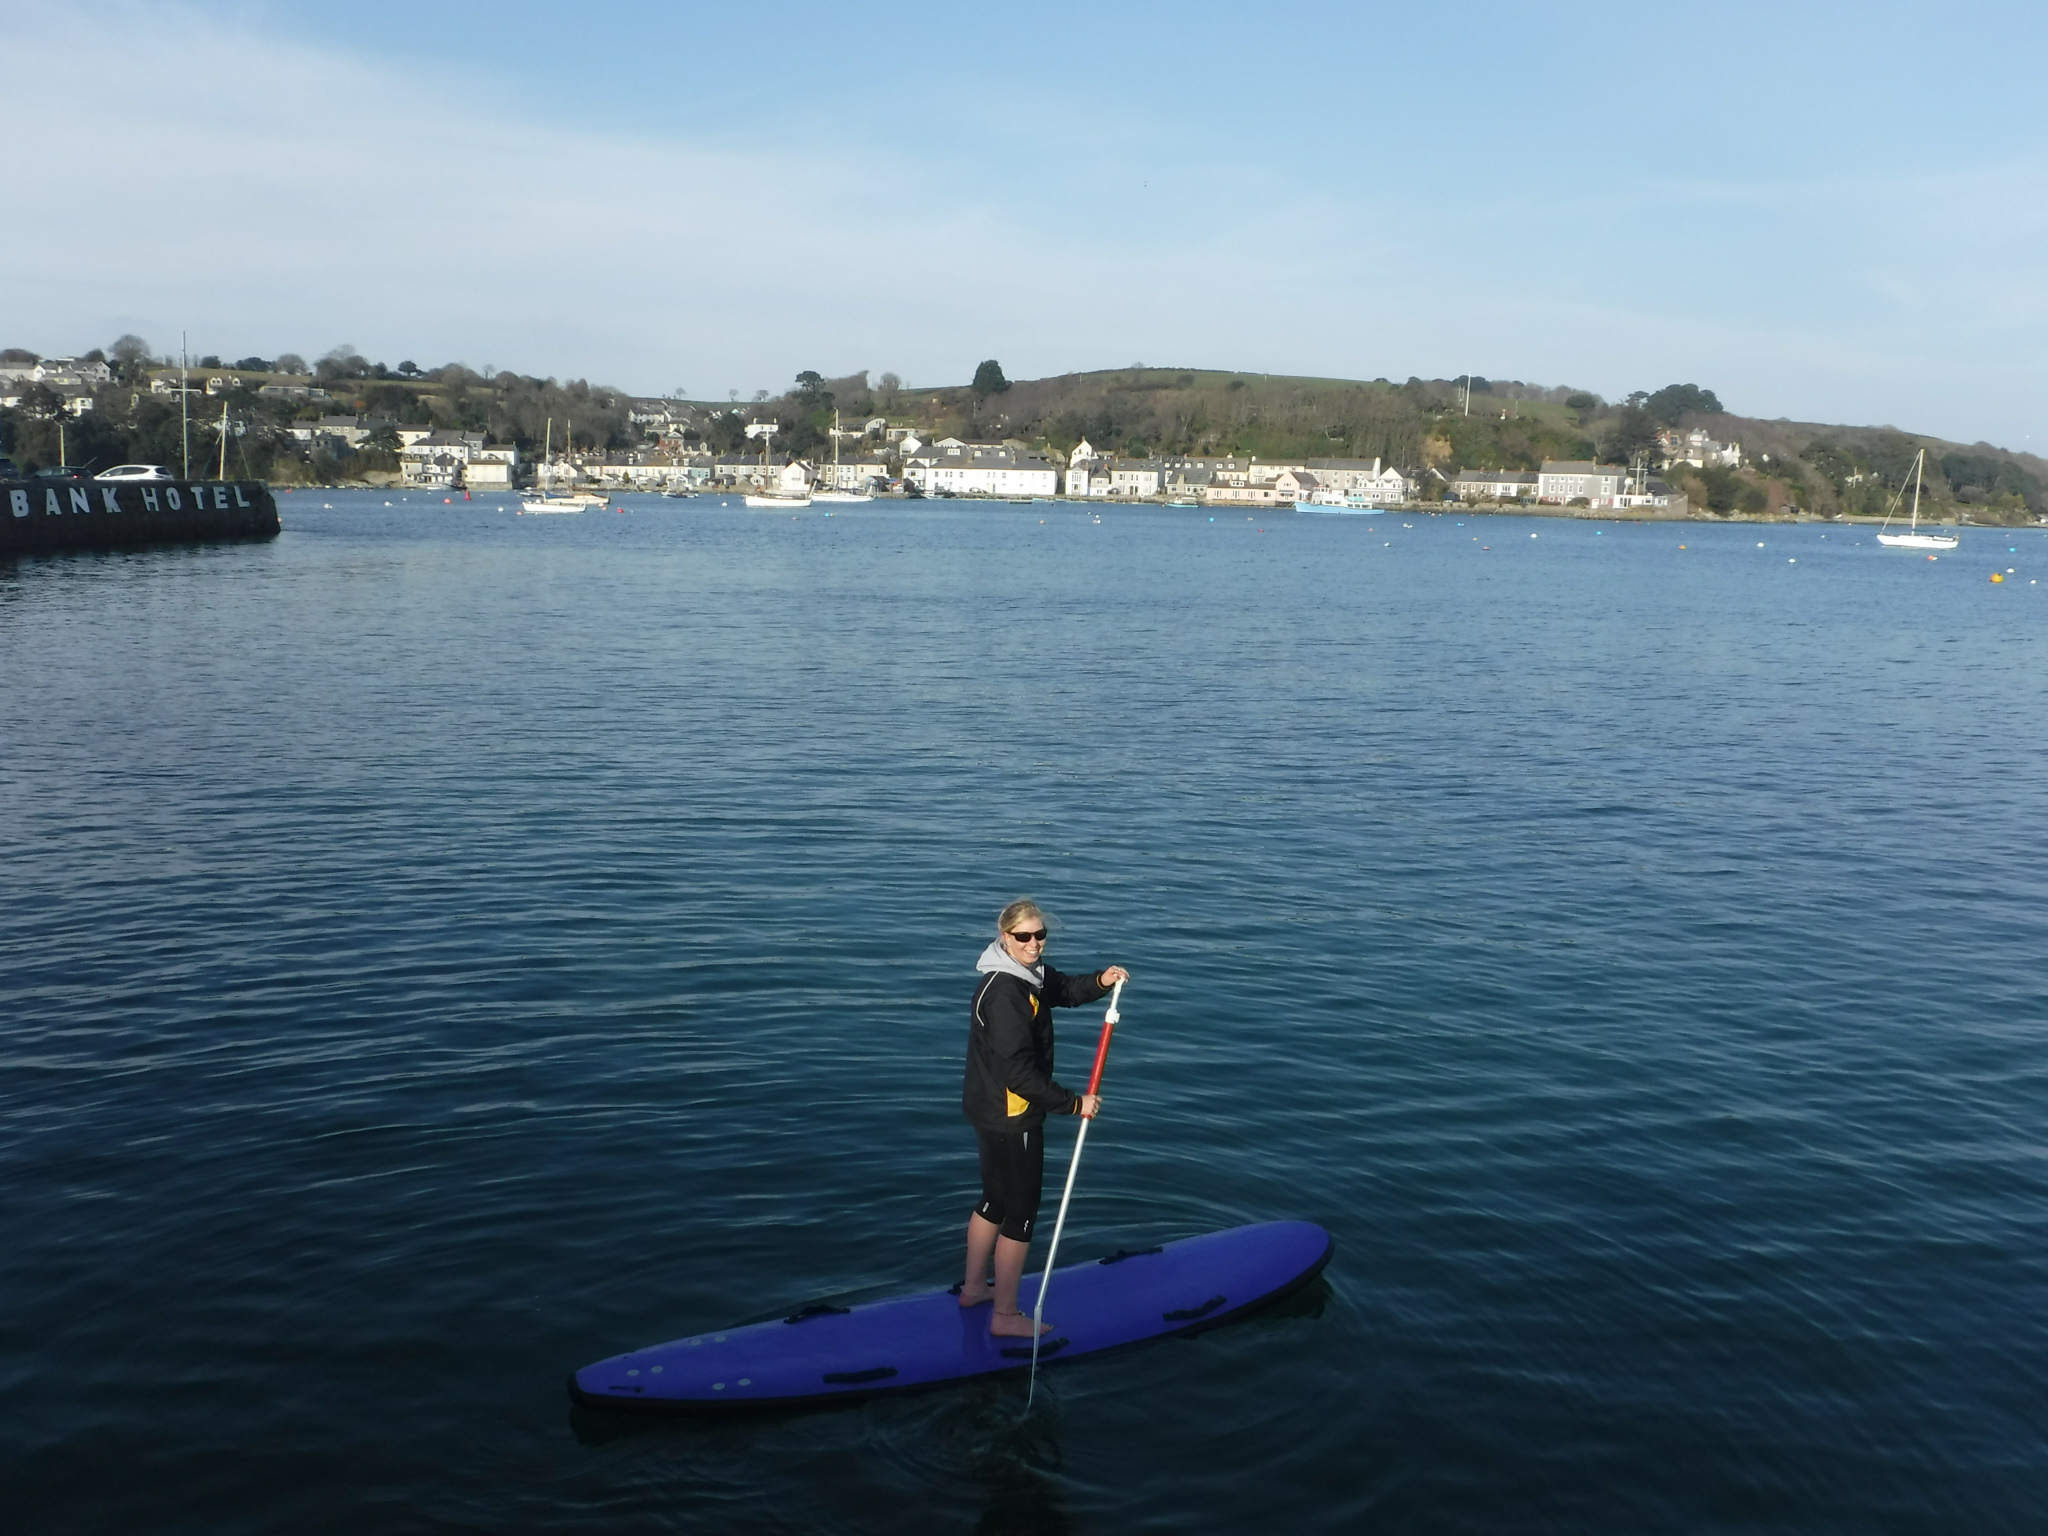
<point>1429,509</point>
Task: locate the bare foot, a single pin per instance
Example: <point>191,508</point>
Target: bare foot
<point>1013,1325</point>
<point>975,1295</point>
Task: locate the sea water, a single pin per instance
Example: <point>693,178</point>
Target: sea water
<point>445,947</point>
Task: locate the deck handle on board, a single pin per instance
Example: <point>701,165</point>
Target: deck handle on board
<point>873,1373</point>
<point>1128,1253</point>
<point>817,1309</point>
<point>1189,1314</point>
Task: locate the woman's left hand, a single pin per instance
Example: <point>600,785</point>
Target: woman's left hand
<point>1115,974</point>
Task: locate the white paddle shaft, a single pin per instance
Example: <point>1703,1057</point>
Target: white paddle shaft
<point>1059,1225</point>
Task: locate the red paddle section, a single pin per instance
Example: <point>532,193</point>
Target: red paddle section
<point>1101,1056</point>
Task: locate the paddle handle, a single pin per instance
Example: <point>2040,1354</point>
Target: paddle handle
<point>1109,1019</point>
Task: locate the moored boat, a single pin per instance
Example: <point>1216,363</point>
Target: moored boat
<point>543,500</point>
<point>1339,501</point>
<point>1913,538</point>
<point>566,501</point>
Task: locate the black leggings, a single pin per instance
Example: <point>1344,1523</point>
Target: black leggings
<point>1012,1178</point>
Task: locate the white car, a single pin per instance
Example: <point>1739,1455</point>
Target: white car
<point>135,472</point>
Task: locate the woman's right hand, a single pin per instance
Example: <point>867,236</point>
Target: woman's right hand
<point>1091,1105</point>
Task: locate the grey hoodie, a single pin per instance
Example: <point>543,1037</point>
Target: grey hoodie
<point>997,958</point>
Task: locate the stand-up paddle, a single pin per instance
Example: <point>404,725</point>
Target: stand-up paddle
<point>1059,1225</point>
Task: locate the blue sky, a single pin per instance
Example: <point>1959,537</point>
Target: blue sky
<point>1827,212</point>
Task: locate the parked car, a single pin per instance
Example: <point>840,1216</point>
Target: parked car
<point>64,472</point>
<point>9,470</point>
<point>136,472</point>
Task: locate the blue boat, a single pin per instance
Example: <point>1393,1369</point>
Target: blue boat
<point>824,1354</point>
<point>1332,501</point>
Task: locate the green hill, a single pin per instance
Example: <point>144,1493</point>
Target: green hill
<point>1421,424</point>
<point>1417,424</point>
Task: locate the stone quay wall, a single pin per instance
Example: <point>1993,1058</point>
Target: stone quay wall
<point>40,515</point>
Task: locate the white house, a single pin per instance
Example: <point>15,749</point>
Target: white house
<point>1088,472</point>
<point>1358,482</point>
<point>953,468</point>
<point>1136,477</point>
<point>852,474</point>
<point>1090,477</point>
<point>741,469</point>
<point>1349,476</point>
<point>493,468</point>
<point>60,373</point>
<point>437,460</point>
<point>350,431</point>
<point>66,368</point>
<point>1694,447</point>
<point>1225,471</point>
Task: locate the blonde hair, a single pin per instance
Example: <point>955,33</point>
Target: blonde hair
<point>1017,911</point>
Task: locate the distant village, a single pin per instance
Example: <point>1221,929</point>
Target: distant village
<point>880,458</point>
<point>877,456</point>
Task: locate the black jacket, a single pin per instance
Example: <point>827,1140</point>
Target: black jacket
<point>1009,1084</point>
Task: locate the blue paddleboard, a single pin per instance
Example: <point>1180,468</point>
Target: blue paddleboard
<point>825,1354</point>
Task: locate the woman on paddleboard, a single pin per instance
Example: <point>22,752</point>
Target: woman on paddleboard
<point>1008,1092</point>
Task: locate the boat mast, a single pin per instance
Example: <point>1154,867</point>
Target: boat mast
<point>223,441</point>
<point>1918,459</point>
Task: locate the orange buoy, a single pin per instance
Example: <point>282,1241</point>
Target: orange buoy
<point>1996,577</point>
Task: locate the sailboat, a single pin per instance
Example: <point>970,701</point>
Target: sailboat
<point>836,494</point>
<point>780,500</point>
<point>1913,538</point>
<point>785,491</point>
<point>560,501</point>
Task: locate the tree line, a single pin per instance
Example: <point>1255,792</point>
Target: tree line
<point>128,423</point>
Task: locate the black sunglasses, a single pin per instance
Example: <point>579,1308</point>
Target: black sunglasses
<point>1028,938</point>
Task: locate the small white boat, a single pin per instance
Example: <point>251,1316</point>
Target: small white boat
<point>777,503</point>
<point>568,501</point>
<point>1913,538</point>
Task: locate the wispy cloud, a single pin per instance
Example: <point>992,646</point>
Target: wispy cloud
<point>267,193</point>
